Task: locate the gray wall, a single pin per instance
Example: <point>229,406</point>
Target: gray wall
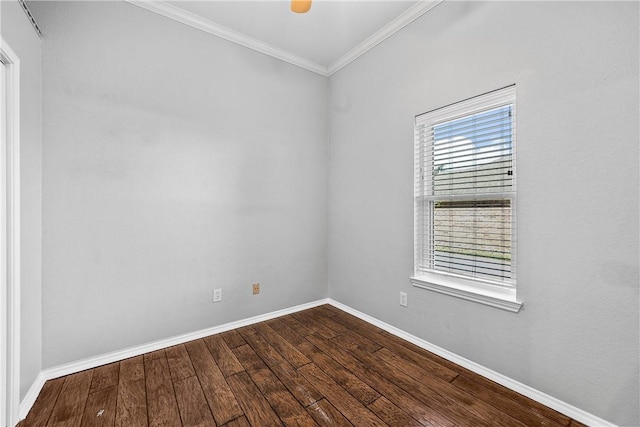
<point>23,39</point>
<point>174,163</point>
<point>576,69</point>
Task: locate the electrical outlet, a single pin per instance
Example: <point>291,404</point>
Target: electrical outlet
<point>403,299</point>
<point>256,288</point>
<point>217,295</point>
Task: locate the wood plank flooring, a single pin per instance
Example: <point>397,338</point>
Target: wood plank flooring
<point>318,367</point>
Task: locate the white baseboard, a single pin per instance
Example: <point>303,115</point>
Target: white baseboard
<point>31,396</point>
<point>530,392</point>
<point>93,362</point>
<point>103,359</point>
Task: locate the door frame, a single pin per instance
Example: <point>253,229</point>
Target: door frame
<point>10,230</point>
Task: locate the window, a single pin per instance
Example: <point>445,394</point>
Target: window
<point>465,189</point>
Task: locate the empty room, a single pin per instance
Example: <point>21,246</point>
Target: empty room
<point>320,213</point>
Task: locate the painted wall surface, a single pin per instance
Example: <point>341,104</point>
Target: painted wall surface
<point>576,69</point>
<point>23,39</point>
<point>174,162</point>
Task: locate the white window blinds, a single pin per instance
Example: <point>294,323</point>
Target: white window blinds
<point>465,189</point>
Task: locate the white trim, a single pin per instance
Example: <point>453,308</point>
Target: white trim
<point>10,327</point>
<point>538,396</point>
<point>495,293</point>
<point>398,23</point>
<point>30,17</point>
<point>115,356</point>
<point>178,14</point>
<point>486,101</point>
<point>494,296</point>
<point>530,392</point>
<point>196,21</point>
<point>32,394</point>
<point>3,250</point>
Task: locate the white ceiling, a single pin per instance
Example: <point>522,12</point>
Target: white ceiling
<point>325,33</point>
<point>323,40</point>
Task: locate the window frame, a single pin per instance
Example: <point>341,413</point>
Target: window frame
<point>500,294</point>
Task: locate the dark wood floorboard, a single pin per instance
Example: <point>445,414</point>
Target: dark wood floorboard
<point>391,414</point>
<point>194,409</point>
<point>282,346</point>
<point>352,409</point>
<point>180,364</point>
<point>69,407</point>
<point>100,409</point>
<point>297,384</point>
<point>131,404</point>
<point>233,339</point>
<point>221,399</point>
<point>162,407</point>
<point>43,406</point>
<point>105,377</point>
<point>223,356</point>
<point>317,367</point>
<point>282,401</point>
<point>238,422</point>
<point>424,413</point>
<point>255,406</point>
<point>326,414</point>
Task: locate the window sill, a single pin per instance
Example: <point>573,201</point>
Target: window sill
<point>493,296</point>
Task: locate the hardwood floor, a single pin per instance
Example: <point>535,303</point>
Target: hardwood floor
<point>319,367</point>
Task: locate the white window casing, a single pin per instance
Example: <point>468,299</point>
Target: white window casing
<point>465,200</point>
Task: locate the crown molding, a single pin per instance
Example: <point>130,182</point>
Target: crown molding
<point>32,20</point>
<point>195,21</point>
<point>398,23</point>
<point>178,14</point>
